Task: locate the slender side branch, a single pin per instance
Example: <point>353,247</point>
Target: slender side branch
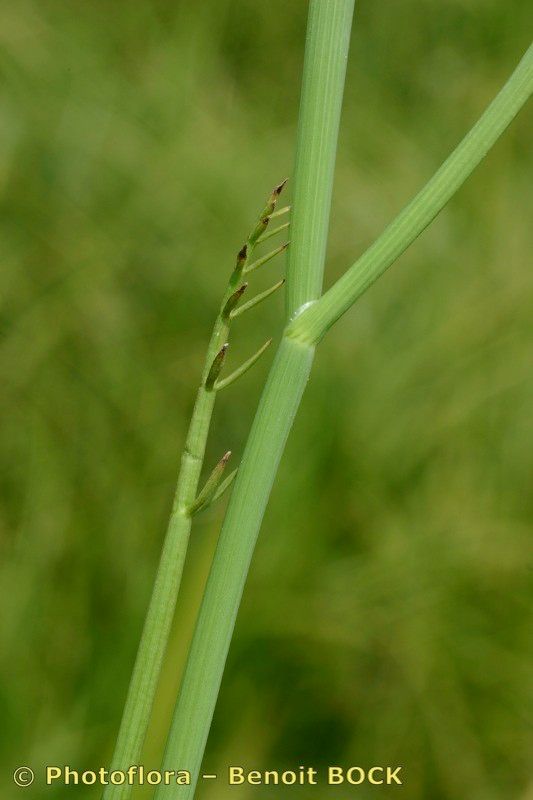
<point>143,683</point>
<point>312,324</point>
<point>232,558</point>
<point>324,70</point>
<point>257,299</point>
<point>264,259</point>
<point>248,364</point>
<point>280,212</point>
<point>273,232</point>
<point>328,30</point>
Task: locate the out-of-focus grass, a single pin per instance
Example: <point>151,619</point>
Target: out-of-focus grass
<point>385,619</point>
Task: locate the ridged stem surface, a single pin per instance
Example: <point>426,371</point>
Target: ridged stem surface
<point>158,620</point>
<point>316,144</point>
<point>329,25</point>
<point>291,367</point>
<point>313,323</point>
<point>199,691</point>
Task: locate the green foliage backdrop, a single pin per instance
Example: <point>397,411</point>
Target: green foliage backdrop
<point>385,620</point>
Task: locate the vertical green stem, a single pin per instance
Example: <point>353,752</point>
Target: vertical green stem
<point>324,71</point>
<point>327,43</point>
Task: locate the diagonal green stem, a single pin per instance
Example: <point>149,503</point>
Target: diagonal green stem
<point>324,71</point>
<point>291,367</point>
<point>313,323</point>
<point>156,630</point>
<point>210,645</point>
<point>158,621</point>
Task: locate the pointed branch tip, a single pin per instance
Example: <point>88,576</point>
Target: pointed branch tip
<point>243,368</point>
<point>257,299</point>
<point>264,217</point>
<point>266,258</point>
<point>211,486</point>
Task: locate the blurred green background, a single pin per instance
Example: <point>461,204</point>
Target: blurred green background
<point>385,620</point>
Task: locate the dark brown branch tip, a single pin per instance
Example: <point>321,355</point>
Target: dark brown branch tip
<point>216,367</point>
<point>242,254</point>
<point>280,187</point>
<point>233,300</point>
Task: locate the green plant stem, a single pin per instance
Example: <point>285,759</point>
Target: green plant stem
<point>221,600</point>
<point>324,72</point>
<point>327,44</point>
<point>285,385</point>
<point>154,638</point>
<point>156,630</point>
<point>313,323</point>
